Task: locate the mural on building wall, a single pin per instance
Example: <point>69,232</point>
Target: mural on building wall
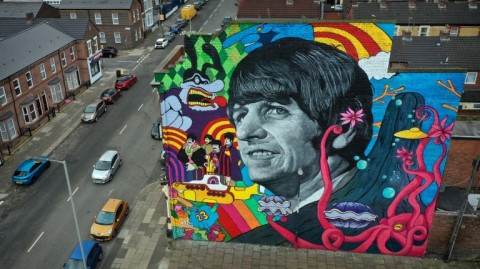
<point>295,133</point>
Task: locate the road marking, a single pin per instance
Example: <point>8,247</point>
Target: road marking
<point>35,242</point>
<point>73,193</point>
<point>154,89</point>
<point>123,129</point>
<point>140,107</point>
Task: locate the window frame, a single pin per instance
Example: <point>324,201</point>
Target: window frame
<point>95,43</point>
<point>102,37</point>
<point>3,96</point>
<point>115,19</point>
<point>98,19</point>
<point>29,78</point>
<point>43,71</point>
<point>30,113</point>
<point>423,27</point>
<point>119,35</point>
<point>6,128</point>
<point>72,53</point>
<point>73,15</point>
<point>89,47</point>
<point>63,58</point>
<point>56,93</point>
<point>53,65</point>
<point>17,87</point>
<point>473,75</point>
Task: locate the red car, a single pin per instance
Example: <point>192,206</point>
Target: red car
<point>125,81</point>
<point>110,95</point>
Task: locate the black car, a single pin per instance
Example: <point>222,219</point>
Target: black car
<point>109,52</point>
<point>156,132</point>
<point>197,5</point>
<point>226,21</point>
<point>181,22</point>
<point>170,36</point>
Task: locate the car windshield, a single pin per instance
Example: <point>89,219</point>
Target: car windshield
<point>122,79</point>
<point>74,264</point>
<point>105,218</point>
<point>89,109</point>
<point>102,165</point>
<point>106,93</point>
<point>19,173</point>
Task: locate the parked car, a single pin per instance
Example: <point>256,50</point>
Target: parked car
<point>170,36</point>
<point>198,6</point>
<point>125,81</point>
<point>93,255</point>
<point>29,170</point>
<point>109,220</point>
<point>156,131</point>
<point>110,95</point>
<point>226,20</point>
<point>181,22</point>
<point>175,28</point>
<point>109,52</point>
<point>93,111</point>
<point>106,166</point>
<point>161,43</point>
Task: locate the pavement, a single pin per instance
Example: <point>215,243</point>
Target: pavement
<point>145,244</point>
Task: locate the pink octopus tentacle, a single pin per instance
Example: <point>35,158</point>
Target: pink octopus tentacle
<point>402,194</point>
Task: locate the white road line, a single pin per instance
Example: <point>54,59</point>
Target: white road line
<point>73,193</point>
<point>140,107</point>
<point>35,242</point>
<point>154,89</point>
<point>126,61</point>
<point>123,129</point>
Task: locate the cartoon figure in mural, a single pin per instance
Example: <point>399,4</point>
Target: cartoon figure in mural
<point>193,156</point>
<point>213,159</point>
<point>207,146</point>
<point>197,92</point>
<point>302,133</point>
<point>230,161</point>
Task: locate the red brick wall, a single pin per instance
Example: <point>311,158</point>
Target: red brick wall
<point>458,167</point>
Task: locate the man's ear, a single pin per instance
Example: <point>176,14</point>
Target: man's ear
<point>343,139</point>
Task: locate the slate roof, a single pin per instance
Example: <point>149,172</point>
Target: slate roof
<point>455,13</point>
<point>74,28</point>
<point>19,9</point>
<point>95,4</point>
<point>21,50</point>
<point>431,53</point>
<point>279,9</point>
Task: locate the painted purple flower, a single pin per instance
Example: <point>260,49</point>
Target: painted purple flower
<point>441,132</point>
<point>404,154</point>
<point>352,117</point>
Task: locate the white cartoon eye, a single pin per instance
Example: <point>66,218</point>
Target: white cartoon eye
<point>196,80</point>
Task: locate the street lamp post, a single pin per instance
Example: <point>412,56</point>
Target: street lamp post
<point>73,209</point>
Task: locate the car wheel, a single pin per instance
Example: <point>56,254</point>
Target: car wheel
<point>110,178</point>
<point>105,110</point>
<point>96,118</point>
<point>48,164</point>
<point>114,233</point>
<point>100,257</point>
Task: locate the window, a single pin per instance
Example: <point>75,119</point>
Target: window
<point>103,39</point>
<point>136,36</point>
<point>98,18</point>
<point>454,31</point>
<point>56,91</point>
<point>29,78</point>
<point>95,43</point>
<point>471,78</point>
<point>134,17</point>
<point>64,60</point>
<point>73,16</point>
<point>118,38</point>
<point>72,53</point>
<point>3,96</point>
<point>89,47</point>
<point>72,81</point>
<point>7,130</point>
<point>53,67</point>
<point>17,87</point>
<point>29,113</point>
<point>43,73</point>
<point>115,18</point>
<point>423,31</point>
<point>138,14</point>
<point>476,105</point>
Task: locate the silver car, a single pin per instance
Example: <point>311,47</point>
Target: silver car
<point>94,110</point>
<point>106,166</point>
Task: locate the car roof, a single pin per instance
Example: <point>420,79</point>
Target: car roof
<point>108,155</point>
<point>95,103</point>
<point>87,247</point>
<point>111,205</point>
<point>27,164</point>
<point>160,39</point>
<point>108,90</point>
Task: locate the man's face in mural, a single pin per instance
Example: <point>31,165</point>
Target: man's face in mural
<point>228,142</point>
<point>190,141</point>
<point>275,142</point>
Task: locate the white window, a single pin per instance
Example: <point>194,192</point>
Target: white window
<point>64,60</point>
<point>471,78</point>
<point>73,16</point>
<point>72,53</point>
<point>53,67</point>
<point>56,91</point>
<point>43,73</point>
<point>423,31</point>
<point>29,113</point>
<point>17,87</point>
<point>118,38</point>
<point>115,18</point>
<point>3,96</point>
<point>95,43</point>
<point>134,17</point>
<point>89,47</point>
<point>103,39</point>
<point>454,31</point>
<point>72,81</point>
<point>7,130</point>
<point>136,36</point>
<point>29,78</point>
<point>98,18</point>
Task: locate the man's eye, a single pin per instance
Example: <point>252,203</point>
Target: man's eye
<point>277,112</point>
<point>238,118</point>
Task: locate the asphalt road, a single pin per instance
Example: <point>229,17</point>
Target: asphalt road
<point>39,230</point>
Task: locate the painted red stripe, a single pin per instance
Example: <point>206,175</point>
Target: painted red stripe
<point>227,223</point>
<point>237,217</point>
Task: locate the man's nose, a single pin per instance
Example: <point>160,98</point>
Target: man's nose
<point>251,128</point>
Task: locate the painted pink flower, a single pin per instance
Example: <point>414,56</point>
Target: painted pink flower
<point>352,117</point>
<point>404,154</point>
<point>441,132</point>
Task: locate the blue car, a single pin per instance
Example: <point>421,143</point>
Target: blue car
<point>175,28</point>
<point>29,170</point>
<point>93,253</point>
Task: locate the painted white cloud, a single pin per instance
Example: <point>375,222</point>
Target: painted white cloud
<point>376,66</point>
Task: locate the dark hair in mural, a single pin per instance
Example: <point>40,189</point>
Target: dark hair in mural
<point>229,136</point>
<point>216,142</point>
<point>192,136</point>
<point>209,136</point>
<point>323,80</point>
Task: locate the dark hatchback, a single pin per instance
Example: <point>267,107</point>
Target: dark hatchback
<point>109,52</point>
<point>170,36</point>
<point>110,95</point>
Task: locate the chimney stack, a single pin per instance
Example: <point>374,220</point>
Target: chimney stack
<point>445,35</point>
<point>406,35</point>
<point>442,4</point>
<point>383,3</point>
